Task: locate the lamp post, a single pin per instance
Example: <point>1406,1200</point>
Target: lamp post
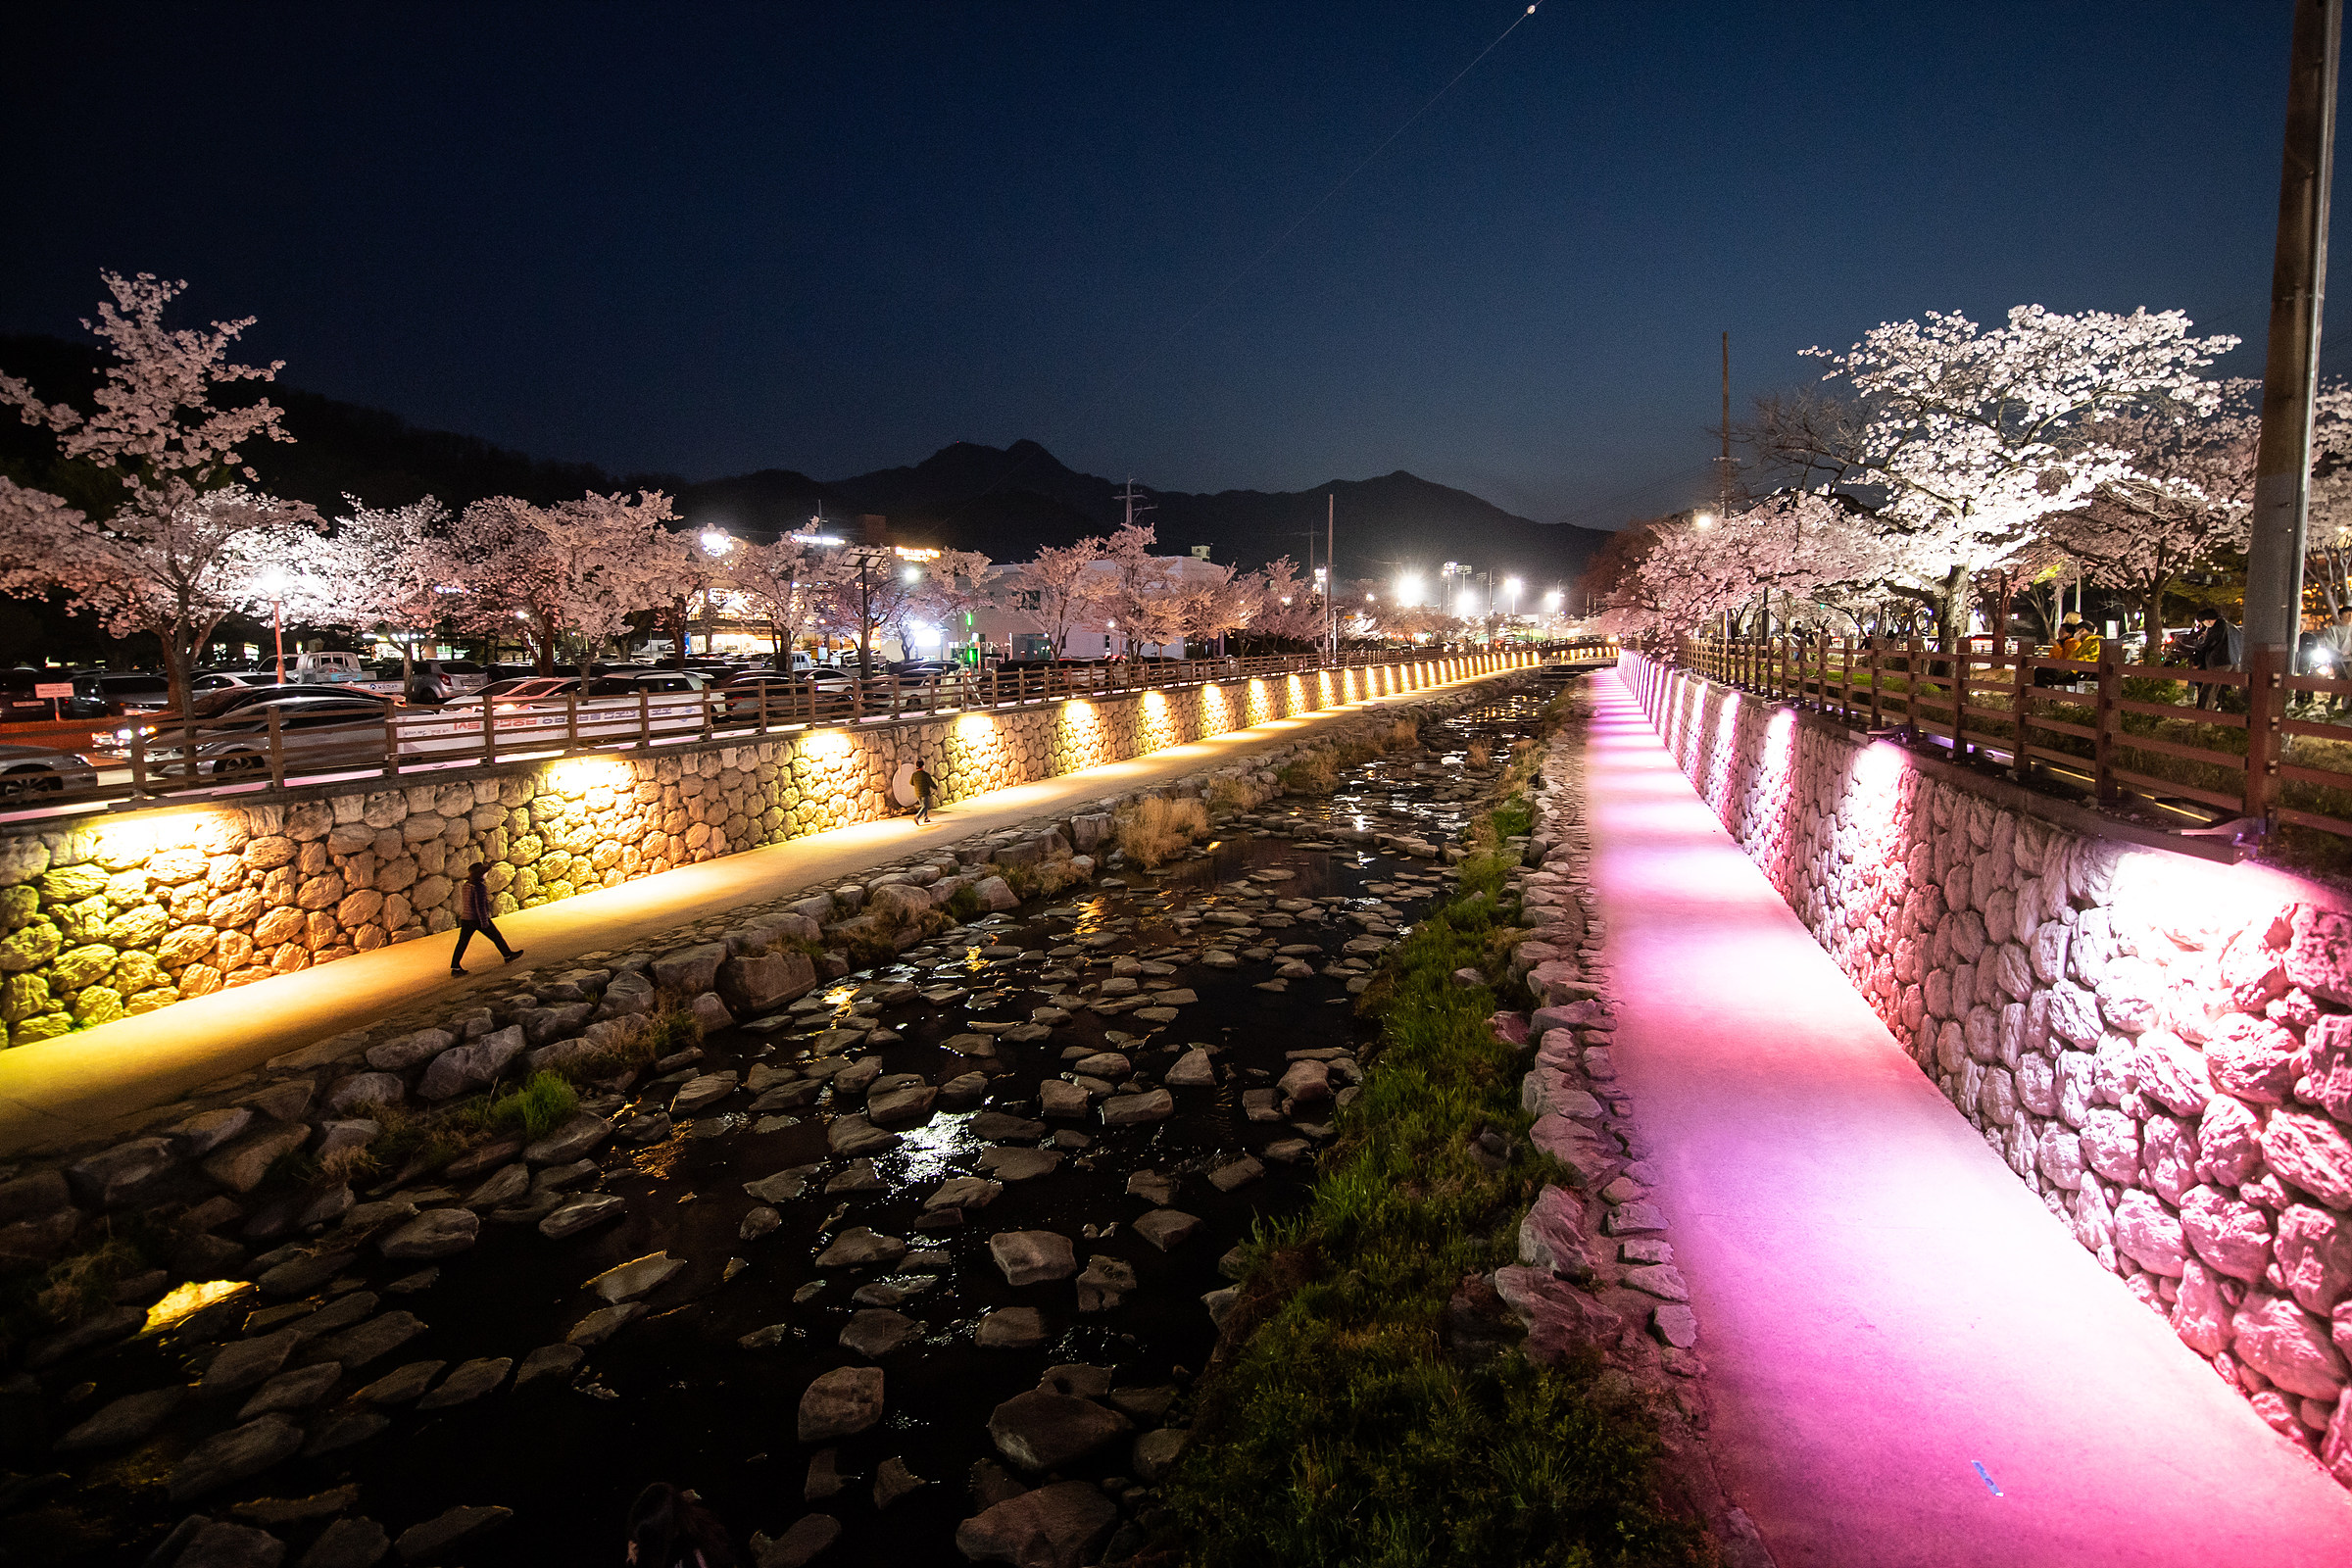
<point>274,583</point>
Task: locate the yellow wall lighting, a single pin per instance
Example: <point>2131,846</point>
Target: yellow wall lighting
<point>135,840</point>
<point>979,728</point>
<point>826,742</point>
<point>186,1300</point>
<point>578,774</point>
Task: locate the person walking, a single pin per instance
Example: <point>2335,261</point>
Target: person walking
<point>925,786</point>
<point>473,914</point>
<point>2337,640</point>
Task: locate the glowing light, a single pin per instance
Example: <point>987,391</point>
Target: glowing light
<point>912,574</point>
<point>715,542</point>
<point>1409,590</point>
<point>975,727</point>
<point>186,1300</point>
<point>1510,585</point>
<point>1704,520</point>
<point>832,743</point>
<point>274,581</point>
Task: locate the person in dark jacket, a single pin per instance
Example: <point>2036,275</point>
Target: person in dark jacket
<point>924,786</point>
<point>473,914</point>
<point>671,1529</point>
<point>2213,651</point>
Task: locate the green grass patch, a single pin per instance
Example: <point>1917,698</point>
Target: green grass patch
<point>1338,1429</point>
<point>964,904</point>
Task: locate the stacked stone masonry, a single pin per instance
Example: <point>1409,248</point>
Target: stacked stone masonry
<point>2160,1047</point>
<point>129,911</point>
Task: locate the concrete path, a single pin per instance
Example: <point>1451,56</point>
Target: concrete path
<point>59,1092</point>
<point>1882,1306</point>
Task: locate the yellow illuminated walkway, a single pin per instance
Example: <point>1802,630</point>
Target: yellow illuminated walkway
<point>67,1091</point>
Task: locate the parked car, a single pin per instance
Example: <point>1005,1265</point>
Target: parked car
<point>223,701</point>
<point>520,689</point>
<point>231,679</point>
<point>27,770</point>
<point>110,694</point>
<point>18,705</point>
<point>309,725</point>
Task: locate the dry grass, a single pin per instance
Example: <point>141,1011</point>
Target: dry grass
<point>1479,755</point>
<point>1315,774</point>
<point>1152,829</point>
<point>1229,793</point>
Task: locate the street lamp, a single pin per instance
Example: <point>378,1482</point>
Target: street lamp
<point>274,583</point>
<point>1703,521</point>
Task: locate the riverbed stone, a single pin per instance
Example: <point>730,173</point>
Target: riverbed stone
<point>1032,1257</point>
<point>859,1247</point>
<point>1132,1110</point>
<point>125,1420</point>
<point>807,1539</point>
<point>1012,1328</point>
<point>1009,1165</point>
<point>469,1381</point>
<point>576,1214</point>
<point>963,1192</point>
<point>1042,1431</point>
<point>235,1454</point>
<point>878,1331</point>
<point>1059,1526</point>
<point>434,1233</point>
<point>297,1390</point>
<point>247,1362</point>
<point>401,1385</point>
<point>370,1340</point>
<point>356,1542</point>
<point>855,1135</point>
<point>548,1361</point>
<point>1167,1228</point>
<point>841,1403</point>
<point>428,1542</point>
<point>641,1276</point>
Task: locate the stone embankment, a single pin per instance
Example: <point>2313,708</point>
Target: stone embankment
<point>288,1218</point>
<point>2160,1047</point>
<point>1597,1266</point>
<point>102,916</point>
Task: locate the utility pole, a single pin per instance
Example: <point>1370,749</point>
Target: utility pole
<point>1724,503</point>
<point>2290,372</point>
<point>1331,571</point>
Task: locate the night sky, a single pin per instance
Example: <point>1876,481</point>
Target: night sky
<point>705,241</point>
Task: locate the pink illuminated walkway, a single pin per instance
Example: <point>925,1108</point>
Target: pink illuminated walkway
<point>1882,1305</point>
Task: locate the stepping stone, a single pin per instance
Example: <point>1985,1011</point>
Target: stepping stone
<point>861,1247</point>
<point>1040,1431</point>
<point>375,1338</point>
<point>903,1106</point>
<point>894,1481</point>
<point>1290,1150</point>
<point>603,1323</point>
<point>1130,1110</point>
<point>1662,1280</point>
<point>1076,1379</point>
<point>1678,1326</point>
<point>1108,1064</point>
<point>1195,1070</point>
<point>428,1542</point>
<point>434,1233</point>
<point>343,1429</point>
<point>768,1338</point>
<point>233,1455</point>
<point>292,1391</point>
<point>125,1420</point>
<point>757,1222</point>
<point>1241,1173</point>
<point>547,1361</point>
<point>841,1403</point>
<point>1030,1258</point>
<point>824,1478</point>
<point>1012,1328</point>
<point>1062,1102</point>
<point>353,1542</point>
<point>1063,1523</point>
<point>858,1176</point>
<point>577,1214</point>
<point>1634,1220</point>
<point>965,1191</point>
<point>1166,1228</point>
<point>1105,1284</point>
<point>1144,1405</point>
<point>1019,1165</point>
<point>469,1381</point>
<point>247,1362</point>
<point>876,1333</point>
<point>994,1126</point>
<point>1153,1188</point>
<point>638,1277</point>
<point>855,1135</point>
<point>807,1538</point>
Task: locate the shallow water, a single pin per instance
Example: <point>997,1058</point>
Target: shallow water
<point>672,1396</point>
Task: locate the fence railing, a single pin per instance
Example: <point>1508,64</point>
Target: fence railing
<point>2201,745</point>
<point>277,744</point>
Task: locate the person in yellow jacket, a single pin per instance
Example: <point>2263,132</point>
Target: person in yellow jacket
<point>2078,639</point>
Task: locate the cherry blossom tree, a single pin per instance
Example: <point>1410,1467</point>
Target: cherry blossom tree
<point>578,569</point>
<point>1057,590</point>
<point>186,544</point>
<point>1289,607</point>
<point>1973,438</point>
<point>2186,498</point>
<point>953,585</point>
<point>687,570</point>
<point>780,582</point>
<point>383,569</point>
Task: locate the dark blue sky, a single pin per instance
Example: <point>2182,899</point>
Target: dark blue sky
<point>834,238</point>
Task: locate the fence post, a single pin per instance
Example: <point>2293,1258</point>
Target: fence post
<point>1845,679</point>
<point>644,717</point>
<point>2021,703</point>
<point>1960,701</point>
<point>2108,721</point>
<point>571,719</point>
<point>489,732</point>
<point>391,740</point>
<point>277,751</point>
<point>2266,698</point>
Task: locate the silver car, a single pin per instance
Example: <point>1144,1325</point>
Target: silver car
<point>27,770</point>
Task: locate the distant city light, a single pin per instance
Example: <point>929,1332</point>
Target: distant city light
<point>1551,599</point>
<point>816,539</point>
<point>1706,519</point>
<point>717,543</point>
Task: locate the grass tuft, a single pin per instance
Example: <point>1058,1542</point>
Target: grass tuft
<point>1152,829</point>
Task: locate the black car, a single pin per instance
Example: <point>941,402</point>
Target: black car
<point>106,693</point>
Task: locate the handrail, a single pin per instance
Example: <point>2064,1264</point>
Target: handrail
<point>178,756</point>
<point>2067,723</point>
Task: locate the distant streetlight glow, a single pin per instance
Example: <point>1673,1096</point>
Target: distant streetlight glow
<point>716,543</point>
<point>1409,589</point>
<point>1706,519</point>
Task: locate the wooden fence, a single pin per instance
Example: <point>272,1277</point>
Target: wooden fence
<point>2199,744</point>
<point>274,746</point>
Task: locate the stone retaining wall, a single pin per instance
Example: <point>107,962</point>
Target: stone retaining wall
<point>134,910</point>
<point>2158,1044</point>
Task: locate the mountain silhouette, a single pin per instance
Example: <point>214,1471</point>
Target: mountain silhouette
<point>1006,502</point>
